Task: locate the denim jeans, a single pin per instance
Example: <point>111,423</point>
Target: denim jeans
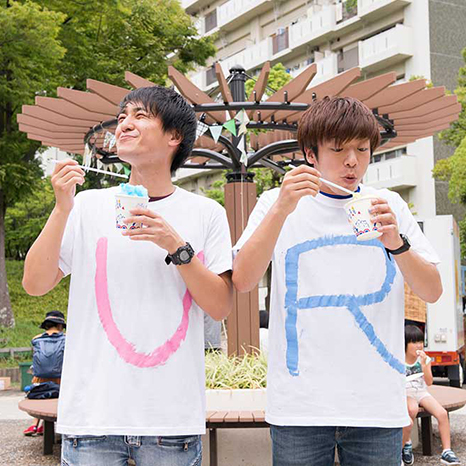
<point>116,450</point>
<point>315,446</point>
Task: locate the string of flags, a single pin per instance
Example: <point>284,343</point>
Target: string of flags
<point>237,126</point>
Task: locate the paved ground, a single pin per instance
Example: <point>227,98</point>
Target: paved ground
<point>17,450</point>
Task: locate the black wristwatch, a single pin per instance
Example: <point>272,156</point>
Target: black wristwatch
<point>183,255</point>
<point>403,248</point>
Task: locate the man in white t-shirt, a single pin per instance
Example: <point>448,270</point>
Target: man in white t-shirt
<point>336,354</point>
<point>133,376</point>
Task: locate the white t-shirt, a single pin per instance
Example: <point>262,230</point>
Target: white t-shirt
<point>336,353</point>
<point>134,357</point>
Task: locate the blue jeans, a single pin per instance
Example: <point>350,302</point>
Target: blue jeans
<point>116,450</point>
<point>315,446</point>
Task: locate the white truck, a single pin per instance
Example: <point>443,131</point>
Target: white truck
<point>445,326</point>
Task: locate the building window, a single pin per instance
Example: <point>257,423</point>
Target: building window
<point>350,9</point>
<point>210,76</point>
<point>348,59</point>
<point>280,40</point>
<point>211,20</point>
<point>393,154</point>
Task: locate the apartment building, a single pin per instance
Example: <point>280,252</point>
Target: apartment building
<point>411,37</point>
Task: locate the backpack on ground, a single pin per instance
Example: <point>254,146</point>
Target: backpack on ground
<point>44,391</point>
<point>47,357</point>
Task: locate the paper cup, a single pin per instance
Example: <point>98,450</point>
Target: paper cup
<point>123,205</point>
<point>360,218</point>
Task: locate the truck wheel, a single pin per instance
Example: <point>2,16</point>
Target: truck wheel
<point>456,375</point>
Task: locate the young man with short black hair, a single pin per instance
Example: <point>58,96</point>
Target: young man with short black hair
<point>336,362</point>
<point>133,378</point>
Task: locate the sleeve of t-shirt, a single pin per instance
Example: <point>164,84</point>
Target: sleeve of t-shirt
<point>65,261</point>
<point>260,210</point>
<point>217,247</point>
<point>408,226</point>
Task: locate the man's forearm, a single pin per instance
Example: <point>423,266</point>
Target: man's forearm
<point>212,293</point>
<point>422,276</point>
<point>254,257</point>
<point>41,271</point>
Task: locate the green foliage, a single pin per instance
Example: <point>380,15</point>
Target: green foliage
<point>350,5</point>
<point>29,55</point>
<point>29,310</point>
<point>25,220</point>
<point>223,372</point>
<point>453,170</point>
<point>278,78</point>
<point>216,192</point>
<point>415,77</point>
<point>103,39</point>
<point>265,179</point>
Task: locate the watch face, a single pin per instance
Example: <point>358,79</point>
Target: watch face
<point>184,255</point>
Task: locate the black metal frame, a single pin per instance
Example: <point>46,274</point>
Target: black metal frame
<point>231,160</point>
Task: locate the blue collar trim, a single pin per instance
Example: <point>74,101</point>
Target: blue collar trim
<point>337,196</point>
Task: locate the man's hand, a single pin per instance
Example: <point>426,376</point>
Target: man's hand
<point>299,182</point>
<point>155,229</point>
<point>66,175</point>
<point>387,224</point>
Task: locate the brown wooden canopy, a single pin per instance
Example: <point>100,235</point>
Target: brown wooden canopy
<point>414,110</point>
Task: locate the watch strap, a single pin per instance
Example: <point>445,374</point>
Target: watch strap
<point>403,248</point>
<point>176,257</point>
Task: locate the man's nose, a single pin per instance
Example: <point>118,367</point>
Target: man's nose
<point>351,159</point>
<point>127,124</point>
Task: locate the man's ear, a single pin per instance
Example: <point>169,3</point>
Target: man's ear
<point>175,138</point>
<point>310,156</point>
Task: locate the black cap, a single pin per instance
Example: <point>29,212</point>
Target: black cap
<point>55,317</point>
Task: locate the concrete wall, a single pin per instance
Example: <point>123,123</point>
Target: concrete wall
<point>240,447</point>
<point>447,40</point>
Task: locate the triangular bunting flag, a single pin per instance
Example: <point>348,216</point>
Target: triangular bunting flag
<point>230,125</point>
<point>112,141</point>
<point>107,139</point>
<point>216,131</point>
<point>126,170</point>
<point>118,167</point>
<point>242,129</point>
<point>244,155</point>
<point>201,129</point>
<point>87,157</point>
<point>242,117</point>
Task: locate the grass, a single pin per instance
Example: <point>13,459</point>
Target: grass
<point>223,372</point>
<point>29,311</point>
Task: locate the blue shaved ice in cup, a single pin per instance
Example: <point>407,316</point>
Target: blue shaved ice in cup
<point>127,199</point>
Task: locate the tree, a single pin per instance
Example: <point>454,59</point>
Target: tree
<point>46,43</point>
<point>103,39</point>
<point>278,77</point>
<point>29,53</point>
<point>453,168</point>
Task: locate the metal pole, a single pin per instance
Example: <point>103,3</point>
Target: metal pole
<point>238,92</point>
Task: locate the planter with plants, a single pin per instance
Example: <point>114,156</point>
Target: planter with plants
<point>235,383</point>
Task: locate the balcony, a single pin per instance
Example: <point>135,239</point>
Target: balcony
<point>375,9</point>
<point>193,6</point>
<point>316,25</point>
<point>386,49</point>
<point>236,12</point>
<point>250,58</point>
<point>327,68</point>
<point>396,173</point>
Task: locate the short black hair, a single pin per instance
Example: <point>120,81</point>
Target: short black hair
<point>413,334</point>
<point>174,112</point>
